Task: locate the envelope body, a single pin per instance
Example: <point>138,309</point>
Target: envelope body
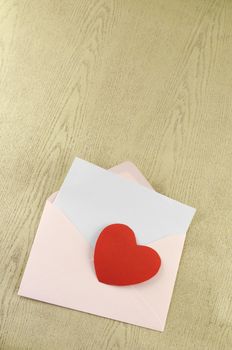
<point>60,271</point>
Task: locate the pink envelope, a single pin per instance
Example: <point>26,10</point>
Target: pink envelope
<point>60,271</point>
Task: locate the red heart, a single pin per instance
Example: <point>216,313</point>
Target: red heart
<point>118,260</point>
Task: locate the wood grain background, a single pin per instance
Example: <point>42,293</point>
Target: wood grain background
<point>111,80</point>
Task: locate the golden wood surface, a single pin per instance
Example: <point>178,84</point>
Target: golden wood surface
<point>148,81</point>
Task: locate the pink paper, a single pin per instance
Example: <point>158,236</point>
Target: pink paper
<point>60,271</point>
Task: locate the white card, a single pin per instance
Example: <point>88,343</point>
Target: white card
<point>92,198</point>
